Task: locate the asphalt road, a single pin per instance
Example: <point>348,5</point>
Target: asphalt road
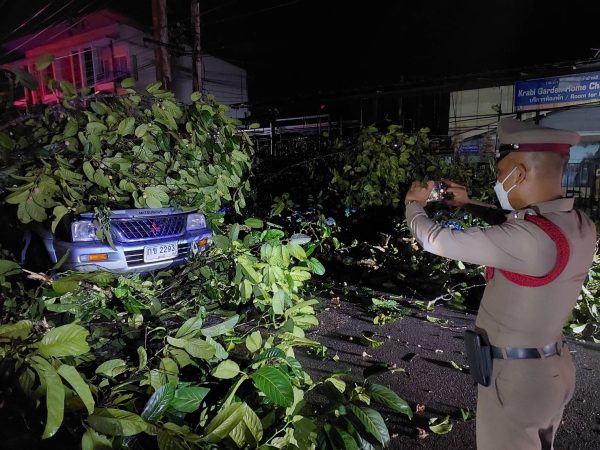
<point>426,351</point>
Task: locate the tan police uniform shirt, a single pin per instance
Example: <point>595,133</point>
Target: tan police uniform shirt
<point>510,314</point>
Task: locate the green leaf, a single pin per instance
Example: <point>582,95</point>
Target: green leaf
<point>226,370</point>
<point>43,61</point>
<point>436,320</point>
<point>35,211</point>
<point>249,430</point>
<point>296,251</point>
<point>22,214</point>
<point>126,126</point>
<point>18,330</point>
<point>6,141</point>
<point>111,368</point>
<point>158,403</point>
<point>234,232</point>
<point>55,395</point>
<point>142,357</point>
<point>195,96</point>
<point>157,196</point>
<point>72,376</point>
<point>221,328</point>
<point>370,342</point>
<point>18,197</point>
<point>169,367</point>
<point>198,348</point>
<point>347,440</point>
<point>25,79</point>
<point>254,223</point>
<point>275,385</point>
<point>389,398</point>
<point>222,424</point>
<point>128,83</point>
<point>278,302</point>
<point>95,128</point>
<point>58,212</point>
<point>190,327</point>
<point>188,399</point>
<point>68,89</point>
<point>64,285</point>
<point>66,340</point>
<point>172,108</point>
<point>254,341</point>
<point>116,422</point>
<point>270,353</point>
<point>316,266</point>
<point>466,414</point>
<point>101,179</point>
<point>99,108</point>
<point>221,242</point>
<point>456,366</point>
<point>249,271</point>
<point>372,421</point>
<point>153,87</point>
<point>94,441</point>
<point>88,170</point>
<point>71,128</point>
<point>443,427</point>
<point>340,385</point>
<point>141,130</point>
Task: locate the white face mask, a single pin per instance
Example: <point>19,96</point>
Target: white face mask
<point>502,194</point>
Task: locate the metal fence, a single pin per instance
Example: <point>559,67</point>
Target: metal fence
<point>581,180</point>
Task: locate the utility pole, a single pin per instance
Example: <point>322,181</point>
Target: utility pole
<point>196,48</point>
<point>161,34</point>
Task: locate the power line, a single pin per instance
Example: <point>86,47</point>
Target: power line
<point>39,32</point>
<point>44,8</point>
<point>81,19</point>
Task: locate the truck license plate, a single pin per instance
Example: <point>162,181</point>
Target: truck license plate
<point>160,252</point>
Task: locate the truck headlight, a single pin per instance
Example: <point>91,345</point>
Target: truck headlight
<point>196,222</point>
<point>83,230</point>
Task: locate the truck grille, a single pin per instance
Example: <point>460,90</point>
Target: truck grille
<point>136,257</point>
<point>149,227</point>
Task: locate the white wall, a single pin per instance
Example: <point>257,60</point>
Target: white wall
<point>140,54</point>
<point>225,81</point>
<point>474,111</point>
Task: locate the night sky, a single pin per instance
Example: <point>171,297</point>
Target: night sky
<point>308,48</point>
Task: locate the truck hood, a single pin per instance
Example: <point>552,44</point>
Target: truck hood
<point>138,213</point>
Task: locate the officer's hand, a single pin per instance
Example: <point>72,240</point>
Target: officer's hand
<point>459,196</point>
<point>419,191</point>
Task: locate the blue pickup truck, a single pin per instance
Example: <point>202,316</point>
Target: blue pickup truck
<point>144,240</point>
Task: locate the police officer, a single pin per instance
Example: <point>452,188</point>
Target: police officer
<point>536,263</point>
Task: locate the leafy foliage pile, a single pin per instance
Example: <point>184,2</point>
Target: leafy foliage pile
<point>142,149</point>
<point>384,164</point>
<point>585,319</point>
<point>198,357</point>
<point>128,362</point>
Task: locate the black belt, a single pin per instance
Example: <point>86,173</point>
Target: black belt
<point>527,353</point>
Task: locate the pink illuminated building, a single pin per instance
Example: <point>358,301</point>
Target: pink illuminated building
<point>100,49</point>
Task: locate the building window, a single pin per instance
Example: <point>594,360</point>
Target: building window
<point>121,66</point>
<point>88,64</point>
<point>77,81</point>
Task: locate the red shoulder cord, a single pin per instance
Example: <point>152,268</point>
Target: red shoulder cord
<point>562,256</point>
